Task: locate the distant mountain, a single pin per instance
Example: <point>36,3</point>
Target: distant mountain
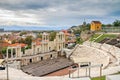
<point>32,28</point>
<point>75,27</point>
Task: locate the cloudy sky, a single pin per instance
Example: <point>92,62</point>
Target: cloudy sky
<point>57,13</point>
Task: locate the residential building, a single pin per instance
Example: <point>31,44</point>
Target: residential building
<point>95,26</point>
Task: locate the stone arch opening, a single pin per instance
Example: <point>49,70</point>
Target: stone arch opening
<point>30,60</point>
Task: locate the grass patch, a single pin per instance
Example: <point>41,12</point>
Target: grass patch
<point>111,36</point>
<point>117,73</point>
<point>94,36</point>
<point>98,78</point>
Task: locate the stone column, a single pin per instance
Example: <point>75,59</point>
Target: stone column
<point>21,54</point>
<point>45,47</point>
<point>61,37</point>
<point>49,46</point>
<point>45,37</point>
<point>61,46</point>
<point>16,53</point>
<point>32,49</point>
<point>12,52</point>
<point>7,53</point>
<point>41,47</point>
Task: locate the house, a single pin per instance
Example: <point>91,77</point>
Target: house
<point>95,26</point>
<point>69,37</point>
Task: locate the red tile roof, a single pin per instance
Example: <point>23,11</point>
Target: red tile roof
<point>38,41</point>
<point>65,31</point>
<point>4,44</point>
<point>98,22</point>
<point>18,44</point>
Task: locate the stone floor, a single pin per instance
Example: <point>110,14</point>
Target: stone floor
<point>47,66</point>
<point>113,77</point>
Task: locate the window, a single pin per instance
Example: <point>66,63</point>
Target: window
<point>41,58</point>
<point>51,56</point>
<point>30,60</point>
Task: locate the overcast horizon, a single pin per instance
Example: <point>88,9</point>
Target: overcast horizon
<point>57,14</point>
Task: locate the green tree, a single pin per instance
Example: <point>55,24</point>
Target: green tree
<point>23,33</point>
<point>39,35</point>
<point>109,25</point>
<point>4,50</point>
<point>28,40</point>
<point>13,41</point>
<point>52,36</point>
<point>116,23</point>
<point>79,40</point>
<point>21,40</point>
<point>87,26</point>
<point>28,47</point>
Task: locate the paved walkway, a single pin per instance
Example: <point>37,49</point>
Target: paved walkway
<point>113,77</point>
<point>15,74</point>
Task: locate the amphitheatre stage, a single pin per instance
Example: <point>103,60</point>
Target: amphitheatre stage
<point>47,66</point>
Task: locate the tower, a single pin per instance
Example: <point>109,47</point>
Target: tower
<point>84,23</point>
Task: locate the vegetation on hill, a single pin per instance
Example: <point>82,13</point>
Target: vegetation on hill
<point>79,40</point>
<point>78,29</point>
<point>98,78</point>
<point>28,40</point>
<point>111,36</point>
<point>39,35</point>
<point>23,33</point>
<point>116,23</point>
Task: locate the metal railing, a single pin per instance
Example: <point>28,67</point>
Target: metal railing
<point>84,65</point>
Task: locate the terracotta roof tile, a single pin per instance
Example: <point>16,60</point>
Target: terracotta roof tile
<point>96,22</point>
<point>18,44</point>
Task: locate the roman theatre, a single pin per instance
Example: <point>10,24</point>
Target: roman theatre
<point>52,56</point>
<point>97,53</point>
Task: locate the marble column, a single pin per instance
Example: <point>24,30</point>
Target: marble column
<point>16,52</point>
<point>7,53</point>
<point>12,52</point>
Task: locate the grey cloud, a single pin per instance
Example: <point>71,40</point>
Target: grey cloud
<point>56,12</point>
